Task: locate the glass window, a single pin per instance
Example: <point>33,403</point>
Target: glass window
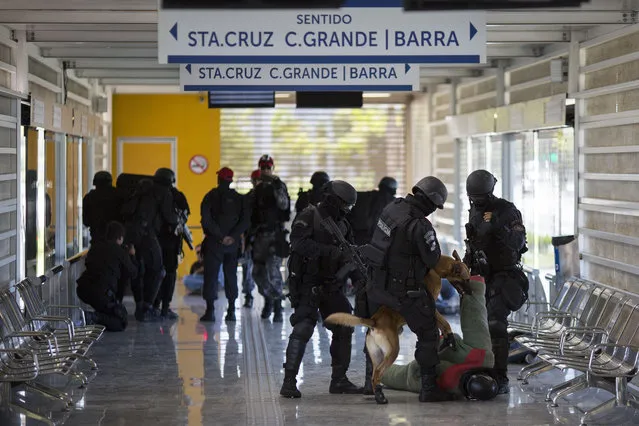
<point>73,207</point>
<point>50,200</point>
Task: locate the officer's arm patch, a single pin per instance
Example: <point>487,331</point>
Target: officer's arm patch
<point>301,222</point>
<point>384,227</point>
<point>431,240</point>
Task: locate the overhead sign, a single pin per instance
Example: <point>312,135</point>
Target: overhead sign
<point>351,35</point>
<point>198,164</point>
<point>299,77</point>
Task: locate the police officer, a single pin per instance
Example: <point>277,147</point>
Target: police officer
<point>403,249</point>
<point>272,209</point>
<point>224,219</point>
<point>313,195</point>
<point>100,205</point>
<point>170,243</point>
<point>246,259</point>
<point>147,213</point>
<point>107,263</point>
<point>314,264</point>
<point>369,206</point>
<point>496,239</point>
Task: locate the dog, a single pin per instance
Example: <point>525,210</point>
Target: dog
<point>382,342</point>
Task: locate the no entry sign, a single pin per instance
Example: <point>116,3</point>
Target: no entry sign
<point>198,164</point>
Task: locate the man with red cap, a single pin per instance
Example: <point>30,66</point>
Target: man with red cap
<point>224,219</point>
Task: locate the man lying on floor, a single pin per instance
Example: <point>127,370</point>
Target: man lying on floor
<point>466,368</point>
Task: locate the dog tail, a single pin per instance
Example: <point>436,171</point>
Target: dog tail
<point>349,320</point>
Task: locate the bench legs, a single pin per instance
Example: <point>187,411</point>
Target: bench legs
<point>52,393</point>
<point>531,367</point>
<point>622,399</point>
<point>540,369</point>
<point>562,386</point>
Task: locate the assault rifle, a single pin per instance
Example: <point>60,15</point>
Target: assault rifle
<point>182,230</point>
<point>478,260</point>
<point>355,261</point>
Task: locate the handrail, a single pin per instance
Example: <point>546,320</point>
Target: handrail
<point>77,257</point>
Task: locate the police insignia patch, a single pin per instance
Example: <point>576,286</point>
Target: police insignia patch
<point>430,239</point>
<point>383,227</point>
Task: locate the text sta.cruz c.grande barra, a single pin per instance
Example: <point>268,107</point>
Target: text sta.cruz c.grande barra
<point>342,73</point>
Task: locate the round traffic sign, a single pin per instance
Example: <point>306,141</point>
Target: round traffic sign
<point>198,164</point>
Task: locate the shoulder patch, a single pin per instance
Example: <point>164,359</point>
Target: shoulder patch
<point>431,240</point>
<point>384,227</point>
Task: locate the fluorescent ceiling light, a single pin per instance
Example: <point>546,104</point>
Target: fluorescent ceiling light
<point>376,95</point>
<point>570,101</point>
<point>282,95</point>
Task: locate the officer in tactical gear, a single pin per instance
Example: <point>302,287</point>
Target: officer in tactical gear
<point>313,195</point>
<point>107,263</point>
<point>147,214</point>
<point>496,239</point>
<point>170,243</point>
<point>369,206</point>
<point>224,219</point>
<point>272,209</point>
<point>315,263</point>
<point>246,258</point>
<point>100,205</point>
<point>403,249</point>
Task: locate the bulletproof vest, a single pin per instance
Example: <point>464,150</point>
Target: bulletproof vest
<point>265,211</point>
<point>324,266</point>
<point>498,254</point>
<point>101,206</point>
<point>226,208</point>
<point>392,249</point>
<point>179,200</point>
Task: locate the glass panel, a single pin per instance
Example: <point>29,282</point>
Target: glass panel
<point>31,234</point>
<point>50,201</point>
<point>493,161</point>
<point>73,231</point>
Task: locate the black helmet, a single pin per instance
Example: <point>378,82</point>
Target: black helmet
<point>433,189</point>
<point>164,176</point>
<point>319,178</point>
<point>103,178</point>
<point>480,182</point>
<point>388,184</point>
<point>479,385</point>
<point>343,191</point>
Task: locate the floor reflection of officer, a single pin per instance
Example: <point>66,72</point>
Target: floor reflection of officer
<point>107,264</point>
<point>148,212</point>
<point>170,243</point>
<point>246,259</point>
<point>224,219</point>
<point>403,249</point>
<point>314,195</point>
<point>495,229</point>
<point>314,286</point>
<point>100,205</point>
<point>272,209</point>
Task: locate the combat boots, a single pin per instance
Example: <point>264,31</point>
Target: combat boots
<point>294,354</point>
<point>230,312</point>
<point>368,384</point>
<point>267,309</point>
<point>430,392</point>
<point>501,347</point>
<point>277,311</point>
<point>341,355</point>
<point>209,315</point>
<point>248,301</point>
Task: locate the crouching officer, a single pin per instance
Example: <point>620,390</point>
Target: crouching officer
<point>496,239</point>
<point>314,284</point>
<point>403,249</point>
<point>107,264</point>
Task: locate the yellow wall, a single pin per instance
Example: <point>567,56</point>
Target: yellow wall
<point>197,129</point>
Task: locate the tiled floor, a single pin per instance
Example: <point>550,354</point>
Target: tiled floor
<point>229,373</point>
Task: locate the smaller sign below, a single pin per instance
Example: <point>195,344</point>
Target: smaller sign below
<point>198,164</point>
<point>302,77</point>
<point>57,117</point>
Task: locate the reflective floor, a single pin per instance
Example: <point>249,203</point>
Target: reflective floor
<point>229,373</point>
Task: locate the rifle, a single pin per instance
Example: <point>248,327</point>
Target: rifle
<point>478,260</point>
<point>182,230</point>
<point>355,261</point>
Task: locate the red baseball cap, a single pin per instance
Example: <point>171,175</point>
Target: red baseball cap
<point>226,174</point>
<point>256,174</point>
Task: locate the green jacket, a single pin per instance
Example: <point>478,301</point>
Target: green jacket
<point>473,350</point>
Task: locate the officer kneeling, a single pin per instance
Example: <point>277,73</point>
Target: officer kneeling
<point>315,283</point>
<point>107,265</point>
<point>464,369</point>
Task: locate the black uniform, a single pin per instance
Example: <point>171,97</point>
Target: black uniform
<point>99,207</point>
<point>107,265</point>
<point>305,198</point>
<point>148,213</point>
<point>364,216</point>
<point>314,262</point>
<point>223,214</point>
<point>502,239</point>
<point>171,246</point>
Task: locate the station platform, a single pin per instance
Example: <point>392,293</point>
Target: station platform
<point>229,373</point>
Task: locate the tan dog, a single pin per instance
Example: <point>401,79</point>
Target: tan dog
<point>382,342</point>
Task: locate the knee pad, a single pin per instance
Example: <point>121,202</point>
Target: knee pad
<point>340,332</point>
<point>497,328</point>
<point>303,330</point>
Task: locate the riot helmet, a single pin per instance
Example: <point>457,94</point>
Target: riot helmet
<point>319,178</point>
<point>431,189</point>
<point>388,184</point>
<point>102,178</point>
<point>164,176</point>
<point>479,187</point>
<point>479,386</point>
<point>339,197</point>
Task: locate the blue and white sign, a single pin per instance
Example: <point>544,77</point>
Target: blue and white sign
<point>350,35</point>
<point>299,77</point>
